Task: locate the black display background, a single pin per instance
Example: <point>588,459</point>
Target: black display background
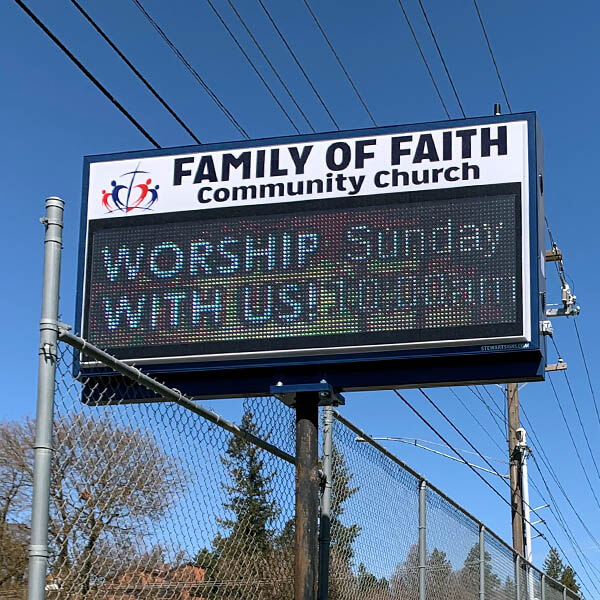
<point>435,201</point>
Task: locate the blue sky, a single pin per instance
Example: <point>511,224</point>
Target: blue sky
<point>51,116</point>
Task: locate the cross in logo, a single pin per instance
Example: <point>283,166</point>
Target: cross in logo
<point>143,199</point>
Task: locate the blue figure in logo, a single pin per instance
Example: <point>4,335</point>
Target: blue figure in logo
<point>115,195</point>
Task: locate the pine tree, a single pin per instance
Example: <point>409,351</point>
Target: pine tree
<point>249,493</point>
<point>468,576</point>
<point>440,580</point>
<point>568,579</point>
<point>342,536</point>
<point>553,565</point>
<point>244,555</point>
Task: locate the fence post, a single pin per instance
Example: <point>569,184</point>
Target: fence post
<point>481,562</point>
<point>325,520</point>
<point>422,538</point>
<point>543,586</point>
<point>564,592</point>
<point>38,549</point>
<point>518,576</point>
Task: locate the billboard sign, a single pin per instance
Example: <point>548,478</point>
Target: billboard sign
<point>357,251</point>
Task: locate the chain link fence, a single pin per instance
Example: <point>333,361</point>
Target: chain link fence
<point>154,501</point>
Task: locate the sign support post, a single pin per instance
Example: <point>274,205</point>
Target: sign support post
<point>306,399</point>
<point>307,494</point>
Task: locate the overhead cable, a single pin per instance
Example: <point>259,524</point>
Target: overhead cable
<point>314,89</point>
<point>483,428</point>
<point>487,40</point>
<point>426,422</point>
<point>564,525</point>
<point>576,407</point>
<point>412,31</point>
<point>87,73</point>
<point>587,371</point>
<point>148,85</point>
<point>572,540</point>
<point>562,412</point>
<point>254,67</point>
<point>191,69</point>
<point>264,54</point>
<point>430,426</point>
<point>478,395</point>
<point>548,464</point>
<point>339,60</point>
<point>442,58</point>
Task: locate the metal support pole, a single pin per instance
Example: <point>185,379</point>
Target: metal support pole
<point>543,586</point>
<point>564,593</point>
<point>518,576</point>
<point>325,520</point>
<point>307,494</point>
<point>38,549</point>
<point>422,538</point>
<point>481,562</point>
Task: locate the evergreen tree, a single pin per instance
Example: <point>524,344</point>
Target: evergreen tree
<point>342,536</point>
<point>440,580</point>
<point>370,587</point>
<point>244,556</point>
<point>405,580</point>
<point>468,576</point>
<point>568,579</point>
<point>249,503</point>
<point>553,565</point>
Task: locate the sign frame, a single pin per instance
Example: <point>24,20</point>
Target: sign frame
<point>453,364</point>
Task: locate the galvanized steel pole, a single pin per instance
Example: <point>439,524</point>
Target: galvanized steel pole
<point>325,520</point>
<point>518,577</point>
<point>307,495</point>
<point>543,586</point>
<point>422,538</point>
<point>38,549</point>
<point>481,562</point>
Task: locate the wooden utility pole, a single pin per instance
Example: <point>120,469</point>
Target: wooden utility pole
<point>514,454</point>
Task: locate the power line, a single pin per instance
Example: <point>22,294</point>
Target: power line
<point>339,60</point>
<point>487,406</point>
<point>87,73</point>
<point>412,31</point>
<point>562,412</point>
<point>442,58</point>
<point>285,87</point>
<point>414,410</point>
<point>430,426</point>
<point>562,523</point>
<point>587,371</point>
<point>585,436</point>
<point>251,63</point>
<point>190,68</point>
<point>484,429</point>
<point>547,463</point>
<point>314,89</point>
<point>135,70</point>
<point>487,39</point>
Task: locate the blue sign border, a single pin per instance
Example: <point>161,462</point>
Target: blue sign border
<point>406,368</point>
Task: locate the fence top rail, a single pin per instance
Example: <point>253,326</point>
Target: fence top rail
<point>367,438</point>
<point>168,393</point>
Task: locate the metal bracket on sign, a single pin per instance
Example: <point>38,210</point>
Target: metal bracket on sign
<point>327,395</point>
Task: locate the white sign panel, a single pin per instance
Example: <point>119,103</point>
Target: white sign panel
<point>378,164</point>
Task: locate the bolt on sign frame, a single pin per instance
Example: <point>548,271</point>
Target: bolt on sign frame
<point>369,259</point>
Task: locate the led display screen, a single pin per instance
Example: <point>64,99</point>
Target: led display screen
<point>438,267</point>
